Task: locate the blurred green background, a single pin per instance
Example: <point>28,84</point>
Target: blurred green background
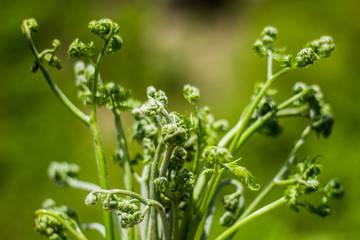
<point>167,44</point>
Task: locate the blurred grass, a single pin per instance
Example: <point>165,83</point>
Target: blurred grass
<point>206,43</point>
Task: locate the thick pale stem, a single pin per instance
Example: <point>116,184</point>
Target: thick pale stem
<point>166,161</point>
<point>125,160</point>
<point>153,176</point>
<point>104,183</point>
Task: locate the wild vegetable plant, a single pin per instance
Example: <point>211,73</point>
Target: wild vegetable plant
<point>184,157</point>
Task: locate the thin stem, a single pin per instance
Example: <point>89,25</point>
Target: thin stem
<point>281,172</point>
<point>257,200</point>
<point>123,148</point>
<point>75,231</point>
<point>83,185</point>
<point>269,65</point>
<point>244,121</point>
<point>254,215</point>
<point>293,152</point>
<point>261,120</point>
<point>232,132</point>
<point>293,99</point>
<point>199,150</point>
<point>94,226</point>
<point>209,218</point>
<point>68,104</point>
<point>292,112</point>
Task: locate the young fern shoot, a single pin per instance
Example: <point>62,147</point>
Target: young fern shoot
<point>184,156</point>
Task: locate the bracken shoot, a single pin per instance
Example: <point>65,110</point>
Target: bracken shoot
<point>184,157</point>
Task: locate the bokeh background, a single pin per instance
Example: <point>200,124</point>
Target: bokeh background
<point>167,44</point>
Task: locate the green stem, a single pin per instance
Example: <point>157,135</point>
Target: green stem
<point>199,151</point>
<point>166,161</point>
<point>210,213</point>
<point>125,159</point>
<point>277,177</point>
<point>293,152</point>
<point>94,226</point>
<point>75,231</point>
<point>175,218</point>
<point>123,149</point>
<point>197,224</point>
<point>153,195</point>
<point>260,121</point>
<point>68,104</point>
<point>104,183</point>
<point>83,185</point>
<point>226,234</point>
<point>269,65</point>
<point>99,149</point>
<point>293,112</point>
<point>245,120</point>
<point>144,185</point>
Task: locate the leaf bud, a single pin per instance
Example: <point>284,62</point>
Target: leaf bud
<point>114,45</point>
<point>129,220</point>
<point>267,39</point>
<point>91,199</point>
<point>79,67</point>
<point>191,93</point>
<point>127,206</point>
<point>151,108</point>
<point>173,135</point>
<point>177,160</point>
<point>161,97</point>
<point>48,203</point>
<point>103,27</point>
<point>231,202</point>
<point>165,186</point>
<point>29,25</point>
<point>60,171</point>
<point>299,87</point>
<point>305,57</point>
<point>214,153</point>
<point>79,49</point>
<point>110,203</point>
<point>151,92</point>
<point>334,189</point>
<point>56,44</point>
<point>323,46</point>
<point>270,31</point>
<point>260,48</point>
<point>52,60</point>
<point>228,219</point>
<point>221,125</point>
<point>136,113</point>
